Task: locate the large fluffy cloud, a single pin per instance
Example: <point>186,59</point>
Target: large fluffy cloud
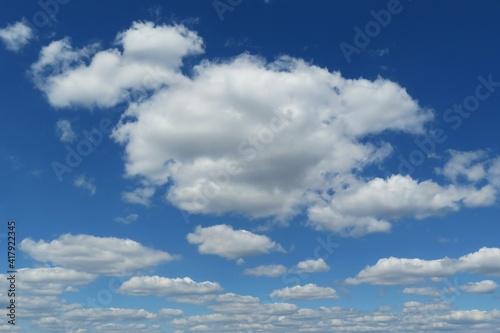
<point>95,255</point>
<point>394,271</point>
<point>250,136</point>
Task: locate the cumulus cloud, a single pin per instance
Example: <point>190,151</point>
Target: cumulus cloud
<point>109,314</point>
<point>233,303</point>
<point>307,292</point>
<point>266,270</point>
<point>236,156</point>
<point>355,210</point>
<point>313,266</point>
<point>51,280</point>
<point>149,56</point>
<point>163,286</point>
<point>396,271</point>
<point>482,287</point>
<point>16,36</point>
<point>65,131</point>
<point>95,255</point>
<point>223,241</point>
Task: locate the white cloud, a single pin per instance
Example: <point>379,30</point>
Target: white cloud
<point>422,291</point>
<point>170,312</point>
<point>233,303</point>
<point>445,240</point>
<point>324,121</point>
<point>150,56</point>
<point>128,219</point>
<point>307,292</point>
<point>254,140</point>
<point>355,211</point>
<point>16,36</point>
<point>486,261</point>
<point>413,307</point>
<point>494,172</point>
<point>248,168</point>
<point>266,270</point>
<point>65,131</point>
<point>141,196</point>
<point>108,314</point>
<point>394,271</point>
<point>86,183</point>
<point>235,244</point>
<point>95,255</point>
<point>50,280</point>
<point>313,266</point>
<point>467,317</point>
<point>193,299</point>
<point>465,164</point>
<point>482,287</point>
<point>163,286</point>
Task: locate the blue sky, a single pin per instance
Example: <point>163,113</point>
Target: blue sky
<point>251,166</point>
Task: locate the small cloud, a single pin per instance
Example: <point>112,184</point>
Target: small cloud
<point>65,131</point>
<point>308,292</point>
<point>16,36</point>
<point>128,219</point>
<point>483,287</point>
<point>379,52</point>
<point>266,270</point>
<point>237,243</point>
<point>312,266</point>
<point>444,240</point>
<point>238,43</point>
<point>85,183</point>
<point>240,261</point>
<point>141,196</point>
<point>36,173</point>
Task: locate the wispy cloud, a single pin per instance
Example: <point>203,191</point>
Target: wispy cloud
<point>127,219</point>
<point>65,131</point>
<point>85,183</point>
